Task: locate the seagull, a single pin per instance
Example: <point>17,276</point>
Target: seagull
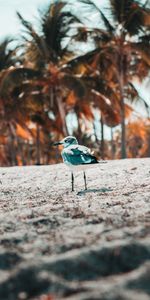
<point>76,157</point>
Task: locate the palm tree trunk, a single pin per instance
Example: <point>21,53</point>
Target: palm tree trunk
<point>95,134</point>
<point>37,144</point>
<point>28,153</point>
<point>112,144</point>
<point>51,102</point>
<point>121,77</point>
<point>21,152</point>
<point>79,131</point>
<point>62,114</point>
<point>102,146</point>
<point>55,95</point>
<point>123,132</point>
<point>13,155</point>
<point>123,127</point>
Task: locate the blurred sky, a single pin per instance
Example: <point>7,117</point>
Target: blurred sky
<point>9,23</point>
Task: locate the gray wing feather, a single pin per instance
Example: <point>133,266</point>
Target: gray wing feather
<point>78,155</point>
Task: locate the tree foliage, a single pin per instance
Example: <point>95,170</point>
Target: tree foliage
<point>72,66</point>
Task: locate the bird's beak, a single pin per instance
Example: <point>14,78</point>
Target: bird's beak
<point>58,143</point>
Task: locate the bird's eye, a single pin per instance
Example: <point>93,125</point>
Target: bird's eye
<point>65,141</point>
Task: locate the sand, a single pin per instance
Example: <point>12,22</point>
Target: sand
<point>58,244</point>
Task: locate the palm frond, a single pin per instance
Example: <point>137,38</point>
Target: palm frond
<point>56,22</point>
<point>34,36</point>
<point>15,77</point>
<point>7,55</point>
<point>136,19</point>
<point>81,59</point>
<point>95,8</point>
<point>130,14</point>
<point>143,49</point>
<point>75,84</point>
<point>110,29</point>
<point>52,22</point>
<point>138,98</point>
<point>120,9</point>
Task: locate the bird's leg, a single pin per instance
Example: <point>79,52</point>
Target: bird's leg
<point>85,181</point>
<point>72,181</point>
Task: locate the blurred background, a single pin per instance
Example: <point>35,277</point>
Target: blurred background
<point>74,68</point>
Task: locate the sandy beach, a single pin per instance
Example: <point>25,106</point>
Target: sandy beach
<point>82,245</point>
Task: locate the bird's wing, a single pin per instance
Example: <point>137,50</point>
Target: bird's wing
<point>77,155</point>
<point>80,149</point>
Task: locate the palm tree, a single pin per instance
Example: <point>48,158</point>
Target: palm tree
<point>8,59</point>
<point>34,89</point>
<point>121,50</point>
<point>14,111</point>
<point>45,52</point>
<point>101,92</point>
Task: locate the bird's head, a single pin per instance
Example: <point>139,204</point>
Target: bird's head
<point>67,141</point>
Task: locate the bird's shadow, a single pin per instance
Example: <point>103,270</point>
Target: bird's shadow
<point>102,190</point>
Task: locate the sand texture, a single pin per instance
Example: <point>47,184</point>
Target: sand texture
<point>58,244</point>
